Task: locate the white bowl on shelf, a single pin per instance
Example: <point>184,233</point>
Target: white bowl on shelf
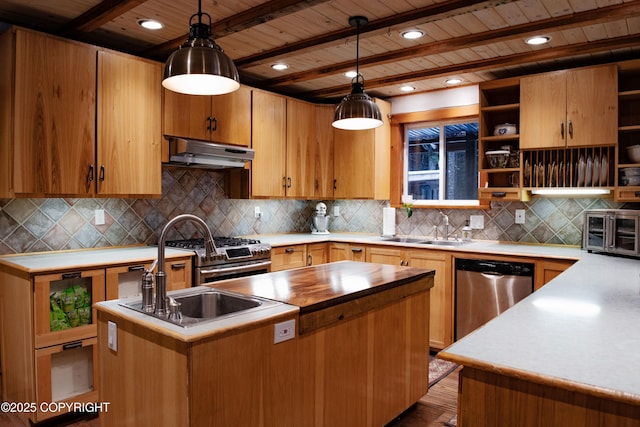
<point>634,153</point>
<point>630,171</point>
<point>497,158</point>
<point>504,129</point>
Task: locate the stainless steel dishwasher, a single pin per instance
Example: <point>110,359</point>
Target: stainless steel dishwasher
<point>486,288</point>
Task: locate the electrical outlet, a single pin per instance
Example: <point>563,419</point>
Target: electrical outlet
<point>519,216</point>
<point>257,213</point>
<point>99,216</point>
<point>112,335</point>
<point>336,211</point>
<point>476,222</point>
<point>284,331</point>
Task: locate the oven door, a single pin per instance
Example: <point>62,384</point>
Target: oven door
<point>214,274</point>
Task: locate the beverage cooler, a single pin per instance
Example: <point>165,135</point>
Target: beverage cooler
<point>613,231</point>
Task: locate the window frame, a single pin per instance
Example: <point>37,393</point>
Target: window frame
<point>399,123</point>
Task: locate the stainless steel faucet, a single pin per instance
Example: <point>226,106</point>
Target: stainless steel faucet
<point>161,277</point>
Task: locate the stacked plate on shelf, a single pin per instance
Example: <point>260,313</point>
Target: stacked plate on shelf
<point>630,176</point>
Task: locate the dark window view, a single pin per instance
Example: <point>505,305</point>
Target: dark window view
<point>442,162</point>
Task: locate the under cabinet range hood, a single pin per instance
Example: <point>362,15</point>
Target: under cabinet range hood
<point>207,155</point>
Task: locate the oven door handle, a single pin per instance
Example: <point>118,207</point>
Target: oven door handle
<point>246,267</point>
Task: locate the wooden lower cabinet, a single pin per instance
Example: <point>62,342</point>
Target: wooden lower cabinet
<point>364,370</point>
<point>346,252</point>
<point>549,269</point>
<point>317,253</point>
<point>287,257</point>
<point>441,308</point>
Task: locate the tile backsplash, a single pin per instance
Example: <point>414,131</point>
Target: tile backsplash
<point>32,225</point>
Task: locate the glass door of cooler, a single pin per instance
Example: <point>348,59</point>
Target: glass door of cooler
<point>594,237</point>
<point>624,234</point>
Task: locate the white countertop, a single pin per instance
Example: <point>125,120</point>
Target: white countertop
<point>581,328</point>
<point>86,258</point>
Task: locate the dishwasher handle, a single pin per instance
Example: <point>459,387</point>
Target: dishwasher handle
<point>492,275</point>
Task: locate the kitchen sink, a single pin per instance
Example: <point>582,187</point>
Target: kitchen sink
<point>204,304</point>
<point>403,240</point>
<point>444,242</point>
<point>214,304</point>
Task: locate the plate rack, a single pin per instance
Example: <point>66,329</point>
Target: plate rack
<point>587,167</point>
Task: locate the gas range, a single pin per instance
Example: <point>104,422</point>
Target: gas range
<point>234,257</point>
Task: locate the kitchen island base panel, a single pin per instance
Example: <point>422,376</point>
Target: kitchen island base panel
<point>488,399</point>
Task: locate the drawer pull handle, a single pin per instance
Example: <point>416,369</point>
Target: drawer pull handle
<point>637,193</point>
<point>74,275</point>
<point>290,250</point>
<point>358,250</point>
<point>178,266</point>
<point>499,194</point>
<point>72,345</point>
<point>136,268</point>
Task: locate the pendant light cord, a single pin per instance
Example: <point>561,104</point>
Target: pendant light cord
<point>357,49</point>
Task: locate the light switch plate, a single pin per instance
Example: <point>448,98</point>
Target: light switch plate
<point>336,211</point>
<point>476,222</point>
<point>112,335</point>
<point>519,216</point>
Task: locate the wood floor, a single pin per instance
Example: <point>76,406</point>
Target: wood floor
<point>433,409</point>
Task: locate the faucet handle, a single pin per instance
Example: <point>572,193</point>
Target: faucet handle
<point>174,310</point>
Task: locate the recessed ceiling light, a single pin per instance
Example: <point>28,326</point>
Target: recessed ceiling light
<point>412,34</point>
<point>407,88</point>
<point>351,74</point>
<point>280,66</point>
<point>536,40</point>
<point>150,24</point>
<point>453,81</point>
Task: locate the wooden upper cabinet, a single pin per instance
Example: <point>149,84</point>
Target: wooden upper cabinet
<point>129,125</point>
<point>570,108</point>
<point>53,120</point>
<point>301,149</point>
<point>362,160</point>
<point>220,118</point>
<point>269,140</point>
<point>323,184</point>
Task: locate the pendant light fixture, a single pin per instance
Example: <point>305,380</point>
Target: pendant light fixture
<point>357,110</point>
<point>200,66</point>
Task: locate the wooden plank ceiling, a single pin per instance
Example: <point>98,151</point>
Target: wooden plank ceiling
<point>472,40</point>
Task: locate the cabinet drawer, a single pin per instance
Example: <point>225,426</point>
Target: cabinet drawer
<point>627,194</point>
<point>509,194</point>
<point>63,306</point>
<point>66,372</point>
<point>286,257</point>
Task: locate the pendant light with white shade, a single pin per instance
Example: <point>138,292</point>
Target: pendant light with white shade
<point>200,66</point>
<point>357,111</point>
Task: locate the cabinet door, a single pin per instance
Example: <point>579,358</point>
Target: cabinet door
<point>317,254</point>
<point>129,129</point>
<point>546,270</point>
<point>301,147</point>
<point>353,169</point>
<point>592,106</point>
<point>323,185</point>
<point>54,115</point>
<point>287,257</point>
<point>231,117</point>
<point>543,100</point>
<point>441,295</point>
<point>383,255</point>
<point>179,273</point>
<point>186,116</point>
<point>71,293</point>
<point>269,142</point>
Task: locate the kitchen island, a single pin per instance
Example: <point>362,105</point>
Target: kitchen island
<point>358,355</point>
<point>565,356</point>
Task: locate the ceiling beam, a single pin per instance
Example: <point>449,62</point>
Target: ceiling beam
<point>377,25</point>
<point>100,14</point>
<point>591,17</point>
<point>240,21</point>
<point>487,64</point>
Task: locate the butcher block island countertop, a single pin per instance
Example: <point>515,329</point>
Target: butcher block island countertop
<point>358,357</point>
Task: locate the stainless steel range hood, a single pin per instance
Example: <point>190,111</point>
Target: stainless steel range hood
<point>208,155</point>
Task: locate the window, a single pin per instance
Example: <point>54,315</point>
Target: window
<point>441,162</point>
